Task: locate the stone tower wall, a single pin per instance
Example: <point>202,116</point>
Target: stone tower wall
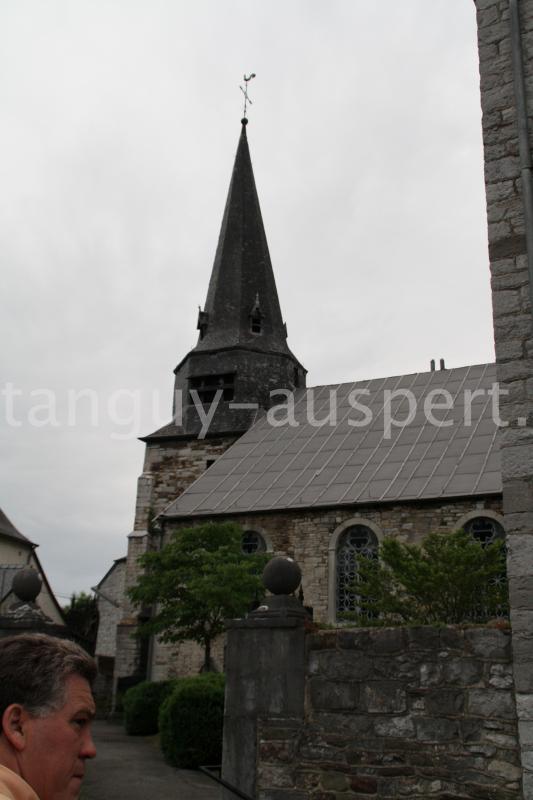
<point>170,466</point>
<point>506,188</point>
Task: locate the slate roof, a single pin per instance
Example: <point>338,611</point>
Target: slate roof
<point>7,573</point>
<point>8,529</point>
<point>273,468</point>
<point>242,277</point>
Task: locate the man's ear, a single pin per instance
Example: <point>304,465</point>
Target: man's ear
<point>13,720</point>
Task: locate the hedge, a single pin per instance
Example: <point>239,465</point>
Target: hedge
<point>141,706</point>
<point>190,721</point>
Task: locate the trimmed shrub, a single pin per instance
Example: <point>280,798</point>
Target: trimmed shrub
<point>190,721</point>
<point>141,706</point>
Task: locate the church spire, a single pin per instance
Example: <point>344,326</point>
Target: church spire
<point>242,358</point>
<point>242,306</point>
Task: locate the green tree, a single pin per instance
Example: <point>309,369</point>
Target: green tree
<point>449,578</point>
<point>195,582</point>
<point>81,616</point>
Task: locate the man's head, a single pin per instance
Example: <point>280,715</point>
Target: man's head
<point>46,710</point>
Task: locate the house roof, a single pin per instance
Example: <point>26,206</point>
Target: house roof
<point>116,563</point>
<point>7,573</point>
<point>304,465</point>
<point>8,529</point>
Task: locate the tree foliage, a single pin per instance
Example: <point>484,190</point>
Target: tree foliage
<point>81,616</point>
<point>449,579</point>
<point>195,582</point>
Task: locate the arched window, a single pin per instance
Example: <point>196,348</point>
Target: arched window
<point>253,542</point>
<point>355,541</point>
<point>256,323</point>
<point>485,529</point>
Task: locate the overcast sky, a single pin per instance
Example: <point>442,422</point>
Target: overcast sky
<point>119,121</point>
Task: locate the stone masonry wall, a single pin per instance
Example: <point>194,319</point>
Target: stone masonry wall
<point>398,712</point>
<point>513,325</point>
<point>110,610</point>
<point>306,535</point>
<point>185,658</point>
<point>170,466</point>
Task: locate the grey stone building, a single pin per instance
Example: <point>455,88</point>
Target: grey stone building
<point>16,553</point>
<point>324,494</point>
<point>241,356</point>
<point>109,597</point>
<point>329,481</point>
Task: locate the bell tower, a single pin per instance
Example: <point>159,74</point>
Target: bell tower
<point>241,356</point>
<point>242,352</point>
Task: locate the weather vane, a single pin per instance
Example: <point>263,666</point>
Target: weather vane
<point>245,91</point>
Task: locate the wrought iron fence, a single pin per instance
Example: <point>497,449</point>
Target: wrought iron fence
<point>227,791</point>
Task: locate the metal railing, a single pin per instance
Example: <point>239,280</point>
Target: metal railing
<point>229,791</point>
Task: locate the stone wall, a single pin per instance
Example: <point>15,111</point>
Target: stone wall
<point>170,466</point>
<point>109,598</point>
<point>184,658</point>
<point>398,712</point>
<point>507,180</point>
<point>306,536</point>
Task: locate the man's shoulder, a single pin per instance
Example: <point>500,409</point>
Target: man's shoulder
<point>13,787</point>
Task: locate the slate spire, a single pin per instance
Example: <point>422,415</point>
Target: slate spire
<point>242,306</point>
<point>241,357</point>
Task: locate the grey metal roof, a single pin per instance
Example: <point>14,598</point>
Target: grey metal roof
<point>291,467</point>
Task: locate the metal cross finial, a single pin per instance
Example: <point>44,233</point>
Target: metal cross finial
<point>245,91</point>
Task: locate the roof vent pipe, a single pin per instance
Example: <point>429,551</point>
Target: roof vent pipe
<point>432,365</point>
<point>442,364</point>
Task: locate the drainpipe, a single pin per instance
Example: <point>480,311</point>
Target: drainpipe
<point>523,135</point>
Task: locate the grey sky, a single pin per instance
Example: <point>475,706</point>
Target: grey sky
<point>119,122</point>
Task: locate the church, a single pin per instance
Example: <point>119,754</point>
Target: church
<point>321,474</point>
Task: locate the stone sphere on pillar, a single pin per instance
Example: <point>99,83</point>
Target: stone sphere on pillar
<point>282,575</point>
<point>27,585</point>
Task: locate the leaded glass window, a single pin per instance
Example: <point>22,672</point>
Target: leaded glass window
<point>253,542</point>
<point>485,530</point>
<point>356,541</point>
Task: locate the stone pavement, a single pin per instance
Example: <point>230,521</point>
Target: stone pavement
<point>132,768</point>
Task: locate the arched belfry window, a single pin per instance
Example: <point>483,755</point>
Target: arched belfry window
<point>485,529</point>
<point>253,542</point>
<point>354,542</point>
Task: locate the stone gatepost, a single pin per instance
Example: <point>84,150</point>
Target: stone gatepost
<point>24,615</point>
<point>265,671</point>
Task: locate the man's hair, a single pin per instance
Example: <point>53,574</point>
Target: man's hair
<point>34,668</point>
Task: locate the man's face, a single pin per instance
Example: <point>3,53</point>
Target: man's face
<point>53,760</point>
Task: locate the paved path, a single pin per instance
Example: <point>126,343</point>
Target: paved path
<point>132,768</point>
